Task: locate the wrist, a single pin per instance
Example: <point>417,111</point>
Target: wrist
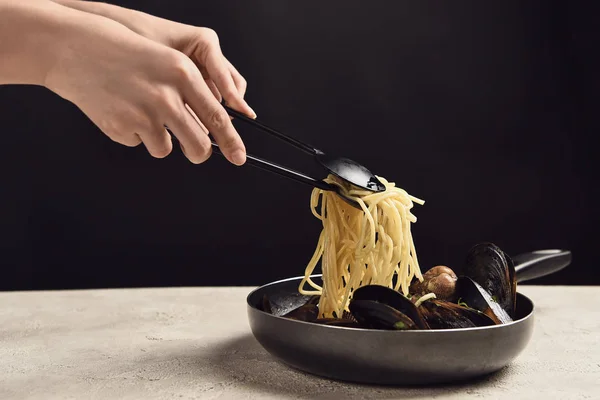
<point>37,36</point>
<point>154,28</point>
<point>83,41</point>
<point>31,33</point>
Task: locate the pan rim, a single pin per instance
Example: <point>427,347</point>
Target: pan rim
<point>379,331</point>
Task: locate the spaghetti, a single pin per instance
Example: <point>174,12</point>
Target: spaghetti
<point>371,246</point>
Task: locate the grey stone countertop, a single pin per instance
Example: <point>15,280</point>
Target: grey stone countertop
<point>195,343</point>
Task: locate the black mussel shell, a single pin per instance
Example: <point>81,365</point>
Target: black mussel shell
<point>441,314</point>
<point>374,315</point>
<point>512,280</point>
<point>476,297</point>
<point>392,298</point>
<point>284,303</point>
<point>488,265</point>
<point>348,315</point>
<point>307,313</point>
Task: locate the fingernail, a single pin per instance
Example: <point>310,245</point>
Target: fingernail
<point>253,114</point>
<point>238,157</point>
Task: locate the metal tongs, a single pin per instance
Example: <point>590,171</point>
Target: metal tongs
<point>346,169</point>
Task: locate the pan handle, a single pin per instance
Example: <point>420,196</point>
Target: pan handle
<point>540,263</point>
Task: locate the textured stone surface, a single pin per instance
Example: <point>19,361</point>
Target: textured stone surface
<point>195,343</point>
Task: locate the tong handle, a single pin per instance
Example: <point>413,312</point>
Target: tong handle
<point>279,135</point>
<point>280,170</point>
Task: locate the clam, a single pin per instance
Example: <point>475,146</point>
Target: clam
<point>440,280</point>
<point>486,295</point>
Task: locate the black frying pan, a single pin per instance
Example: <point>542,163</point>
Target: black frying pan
<point>396,357</point>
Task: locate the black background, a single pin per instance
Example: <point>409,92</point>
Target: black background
<point>484,109</point>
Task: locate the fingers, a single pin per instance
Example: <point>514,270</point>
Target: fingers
<point>132,140</point>
<point>220,73</point>
<point>215,118</point>
<point>194,141</point>
<point>238,79</point>
<point>215,91</point>
<point>157,141</point>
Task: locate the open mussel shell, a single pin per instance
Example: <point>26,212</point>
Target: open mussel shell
<point>476,297</point>
<point>374,315</point>
<point>294,306</point>
<point>307,313</point>
<point>441,314</point>
<point>512,280</point>
<point>392,298</point>
<point>493,270</point>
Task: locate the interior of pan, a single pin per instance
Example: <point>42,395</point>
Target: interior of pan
<point>384,357</point>
<point>284,297</point>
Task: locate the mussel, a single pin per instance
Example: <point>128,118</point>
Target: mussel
<point>441,314</point>
<point>374,315</point>
<point>307,313</point>
<point>476,297</point>
<point>387,296</point>
<point>293,306</point>
<point>483,295</point>
<point>494,271</point>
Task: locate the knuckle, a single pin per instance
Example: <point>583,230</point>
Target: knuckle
<point>231,94</point>
<point>130,140</point>
<point>183,68</point>
<point>231,142</point>
<point>109,126</point>
<point>219,119</point>
<point>134,142</point>
<point>243,83</point>
<point>156,96</point>
<point>202,153</point>
<point>173,110</point>
<point>170,109</point>
<point>210,35</point>
<point>161,152</point>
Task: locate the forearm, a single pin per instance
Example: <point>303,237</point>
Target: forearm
<point>137,21</point>
<point>31,34</point>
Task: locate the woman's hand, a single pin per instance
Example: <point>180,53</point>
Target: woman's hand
<point>128,85</point>
<point>201,45</point>
<point>132,87</point>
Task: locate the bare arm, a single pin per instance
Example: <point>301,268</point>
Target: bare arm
<point>201,45</point>
<point>130,86</point>
<point>31,35</point>
<point>139,22</point>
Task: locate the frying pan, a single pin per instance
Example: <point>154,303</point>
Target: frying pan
<point>396,357</point>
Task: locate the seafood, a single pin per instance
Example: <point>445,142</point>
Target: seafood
<point>494,270</point>
<point>484,294</point>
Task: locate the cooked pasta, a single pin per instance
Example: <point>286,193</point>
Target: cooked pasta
<point>368,246</point>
